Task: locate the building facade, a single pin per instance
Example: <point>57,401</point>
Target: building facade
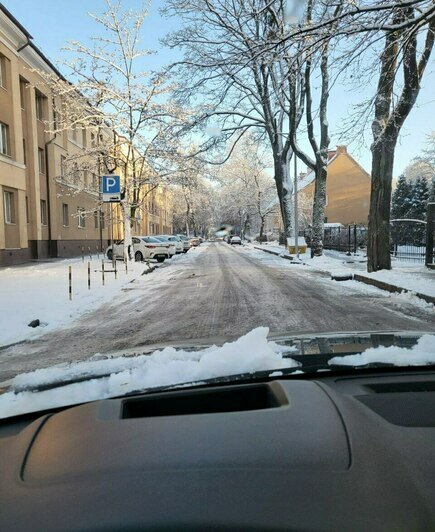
<point>43,214</point>
<point>347,194</point>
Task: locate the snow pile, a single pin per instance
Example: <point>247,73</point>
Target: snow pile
<point>168,367</point>
<point>421,354</point>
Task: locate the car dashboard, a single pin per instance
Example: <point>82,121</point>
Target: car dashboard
<point>351,452</point>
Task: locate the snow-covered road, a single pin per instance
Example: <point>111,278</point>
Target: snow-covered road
<point>217,293</point>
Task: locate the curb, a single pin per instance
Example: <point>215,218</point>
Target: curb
<point>362,279</point>
<point>391,287</point>
<point>287,257</point>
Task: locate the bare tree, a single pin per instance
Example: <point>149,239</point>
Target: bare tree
<point>247,193</point>
<point>424,164</point>
<point>232,83</point>
<point>301,71</point>
<point>127,110</point>
<point>400,52</point>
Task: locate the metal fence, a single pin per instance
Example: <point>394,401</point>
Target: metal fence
<point>340,238</point>
<point>408,240</point>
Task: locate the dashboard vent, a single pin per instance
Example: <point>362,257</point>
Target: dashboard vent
<point>407,409</point>
<point>400,387</point>
<point>210,401</point>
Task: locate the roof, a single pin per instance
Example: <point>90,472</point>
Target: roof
<point>29,42</point>
<point>332,155</point>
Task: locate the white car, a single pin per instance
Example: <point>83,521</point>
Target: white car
<point>144,248</point>
<point>236,240</point>
<point>176,240</point>
<point>175,245</point>
<point>185,242</point>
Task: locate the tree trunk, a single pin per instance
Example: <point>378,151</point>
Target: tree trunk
<point>319,203</point>
<point>128,243</point>
<point>378,244</point>
<point>284,188</point>
<point>261,229</point>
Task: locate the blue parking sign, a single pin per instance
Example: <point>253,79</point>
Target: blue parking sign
<point>110,184</point>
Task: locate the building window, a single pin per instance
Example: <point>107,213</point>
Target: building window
<point>81,220</point>
<point>4,139</point>
<point>3,71</point>
<point>72,133</point>
<point>55,115</point>
<point>23,87</point>
<point>41,160</point>
<point>43,212</point>
<point>9,207</point>
<point>84,137</point>
<point>62,166</point>
<point>27,210</point>
<point>65,215</point>
<point>40,104</point>
<point>102,220</point>
<point>96,219</point>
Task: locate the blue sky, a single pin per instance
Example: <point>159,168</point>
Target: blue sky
<point>54,22</point>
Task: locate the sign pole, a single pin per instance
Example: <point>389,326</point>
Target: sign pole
<point>296,204</point>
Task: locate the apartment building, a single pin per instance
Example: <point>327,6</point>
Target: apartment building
<point>42,212</point>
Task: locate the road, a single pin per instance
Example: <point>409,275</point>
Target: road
<point>214,294</point>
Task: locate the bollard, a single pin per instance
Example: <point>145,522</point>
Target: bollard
<point>102,270</point>
<point>83,254</point>
<point>70,283</point>
<point>90,254</point>
<point>126,267</point>
<point>348,241</point>
<point>116,272</point>
<point>89,275</point>
<point>354,240</point>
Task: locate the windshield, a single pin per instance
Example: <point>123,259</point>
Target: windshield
<point>277,157</point>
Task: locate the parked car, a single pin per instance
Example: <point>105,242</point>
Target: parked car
<point>171,243</point>
<point>175,239</point>
<point>236,240</point>
<point>194,241</point>
<point>144,248</point>
<point>185,242</point>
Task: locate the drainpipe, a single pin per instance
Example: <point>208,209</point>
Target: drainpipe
<point>47,179</point>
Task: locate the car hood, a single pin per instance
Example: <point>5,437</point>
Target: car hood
<point>158,367</point>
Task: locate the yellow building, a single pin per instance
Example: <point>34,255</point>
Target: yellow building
<point>43,213</point>
<point>347,194</point>
<point>347,189</point>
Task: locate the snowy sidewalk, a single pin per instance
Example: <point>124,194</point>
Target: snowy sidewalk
<point>404,277</point>
<point>40,291</point>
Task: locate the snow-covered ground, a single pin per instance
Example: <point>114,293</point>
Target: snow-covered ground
<point>40,291</point>
<point>414,277</point>
<point>168,367</point>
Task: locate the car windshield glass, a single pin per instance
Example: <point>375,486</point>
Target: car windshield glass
<point>203,190</point>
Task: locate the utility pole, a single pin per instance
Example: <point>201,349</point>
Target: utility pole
<point>296,204</point>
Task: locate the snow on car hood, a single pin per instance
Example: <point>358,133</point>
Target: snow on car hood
<point>420,354</point>
<point>167,367</point>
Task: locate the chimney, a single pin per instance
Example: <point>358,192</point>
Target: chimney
<point>341,149</point>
